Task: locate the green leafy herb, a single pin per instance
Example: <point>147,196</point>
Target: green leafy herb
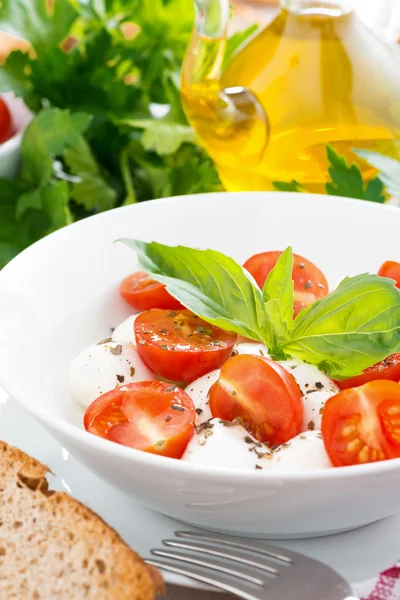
<point>388,167</point>
<point>291,186</point>
<point>38,202</point>
<point>103,82</point>
<point>237,40</point>
<point>195,277</point>
<point>163,136</point>
<point>41,22</point>
<point>351,329</point>
<point>90,189</point>
<point>49,134</point>
<point>346,332</point>
<point>347,180</point>
<point>278,295</point>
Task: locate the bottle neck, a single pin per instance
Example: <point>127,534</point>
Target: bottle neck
<point>330,8</point>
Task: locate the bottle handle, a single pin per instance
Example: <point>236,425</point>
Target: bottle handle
<point>223,117</point>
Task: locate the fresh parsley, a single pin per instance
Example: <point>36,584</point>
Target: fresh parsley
<point>102,81</point>
<point>346,179</point>
<point>389,169</point>
<point>346,332</point>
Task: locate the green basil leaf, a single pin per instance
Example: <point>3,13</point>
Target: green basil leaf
<point>351,329</point>
<point>279,286</point>
<point>275,329</point>
<point>207,282</point>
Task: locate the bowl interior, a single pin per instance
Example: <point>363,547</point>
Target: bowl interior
<point>61,294</point>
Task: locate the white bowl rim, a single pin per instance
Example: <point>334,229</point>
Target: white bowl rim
<point>82,437</point>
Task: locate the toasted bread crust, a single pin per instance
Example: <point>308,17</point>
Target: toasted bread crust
<point>52,546</point>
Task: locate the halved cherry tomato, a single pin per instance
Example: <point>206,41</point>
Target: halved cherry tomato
<point>362,425</point>
<point>143,293</point>
<point>388,369</point>
<point>180,346</point>
<point>391,270</point>
<point>6,128</point>
<point>262,395</point>
<point>153,416</point>
<point>309,282</point>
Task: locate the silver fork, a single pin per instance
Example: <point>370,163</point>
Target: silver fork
<point>249,569</point>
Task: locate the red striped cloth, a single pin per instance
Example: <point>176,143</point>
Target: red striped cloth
<point>385,587</point>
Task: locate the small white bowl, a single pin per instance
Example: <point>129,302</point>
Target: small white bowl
<point>61,294</point>
<point>10,150</point>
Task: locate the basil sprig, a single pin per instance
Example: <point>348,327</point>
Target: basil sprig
<point>344,333</point>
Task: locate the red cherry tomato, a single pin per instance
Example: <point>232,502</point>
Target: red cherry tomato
<point>6,128</point>
<point>153,416</point>
<point>388,369</point>
<point>180,346</point>
<point>143,293</point>
<point>309,282</point>
<point>362,425</point>
<point>391,270</point>
<point>262,395</point>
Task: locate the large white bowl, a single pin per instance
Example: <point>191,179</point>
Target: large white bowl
<point>61,295</point>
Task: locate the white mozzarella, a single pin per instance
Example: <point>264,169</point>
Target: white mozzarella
<point>199,391</point>
<point>219,445</point>
<point>316,388</point>
<point>124,331</point>
<point>252,348</point>
<point>103,367</point>
<point>305,452</point>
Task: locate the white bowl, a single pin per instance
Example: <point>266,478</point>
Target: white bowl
<point>10,150</point>
<point>61,294</point>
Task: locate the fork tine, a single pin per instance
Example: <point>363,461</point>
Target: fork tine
<point>236,543</point>
<point>207,565</point>
<point>233,557</point>
<point>217,583</point>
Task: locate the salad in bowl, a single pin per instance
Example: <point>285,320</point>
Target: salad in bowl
<point>249,385</point>
<point>239,374</point>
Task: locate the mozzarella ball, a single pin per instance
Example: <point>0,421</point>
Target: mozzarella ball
<point>316,388</point>
<point>305,452</point>
<point>199,391</point>
<point>252,348</point>
<point>124,331</point>
<point>103,367</point>
<point>224,445</point>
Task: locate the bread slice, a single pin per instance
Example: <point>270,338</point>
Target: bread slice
<point>54,548</point>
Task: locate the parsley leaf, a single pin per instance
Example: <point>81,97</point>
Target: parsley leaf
<point>49,134</point>
<point>291,186</point>
<point>347,180</point>
<point>162,136</point>
<point>389,169</point>
<point>38,21</point>
<point>89,188</point>
<point>237,40</point>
